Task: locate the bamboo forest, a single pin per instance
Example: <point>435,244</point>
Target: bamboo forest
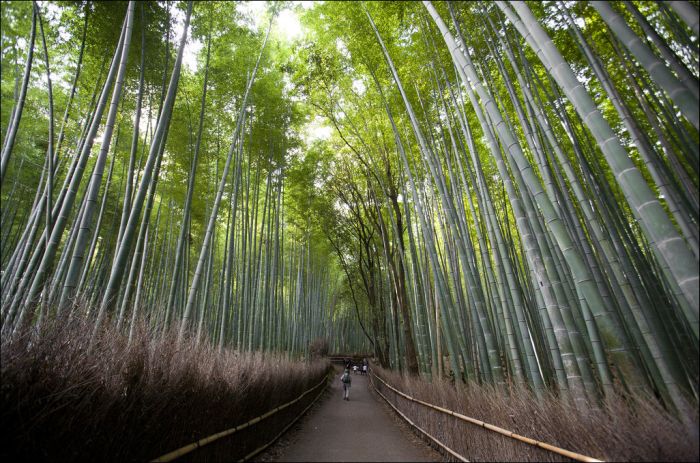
<point>210,210</point>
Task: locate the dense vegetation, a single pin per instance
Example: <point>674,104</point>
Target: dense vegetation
<point>138,400</point>
<point>508,194</point>
<point>181,212</point>
<point>623,429</point>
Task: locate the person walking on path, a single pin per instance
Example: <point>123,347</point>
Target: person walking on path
<point>346,380</point>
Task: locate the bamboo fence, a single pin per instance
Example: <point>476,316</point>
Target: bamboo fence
<point>567,453</point>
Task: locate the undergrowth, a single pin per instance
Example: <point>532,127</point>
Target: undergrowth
<point>632,428</point>
<point>61,401</point>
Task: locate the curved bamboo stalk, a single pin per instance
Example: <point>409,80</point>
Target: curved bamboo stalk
<point>44,258</point>
<point>677,92</point>
<point>688,14</point>
<point>215,207</point>
<point>19,106</point>
<point>190,182</point>
<point>78,258</point>
<point>668,246</point>
<point>122,253</point>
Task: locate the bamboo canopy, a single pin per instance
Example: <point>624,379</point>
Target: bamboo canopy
<point>501,193</point>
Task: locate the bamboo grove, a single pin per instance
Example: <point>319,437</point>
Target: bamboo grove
<point>511,216</point>
<point>124,249</point>
<point>509,194</point>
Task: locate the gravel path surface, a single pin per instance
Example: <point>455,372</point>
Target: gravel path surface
<point>361,429</point>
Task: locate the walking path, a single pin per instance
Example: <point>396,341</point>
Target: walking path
<point>356,430</point>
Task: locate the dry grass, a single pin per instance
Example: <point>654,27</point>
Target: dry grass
<point>623,429</point>
<point>136,402</point>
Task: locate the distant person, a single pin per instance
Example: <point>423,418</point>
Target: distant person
<point>364,369</point>
<point>346,380</point>
<point>354,369</point>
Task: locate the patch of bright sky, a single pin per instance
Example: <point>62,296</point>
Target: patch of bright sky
<point>342,48</point>
<point>253,10</point>
<point>52,15</point>
<point>359,86</point>
<point>192,47</point>
<point>286,27</point>
<point>316,130</point>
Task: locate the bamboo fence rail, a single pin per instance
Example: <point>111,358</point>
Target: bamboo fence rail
<point>263,447</point>
<point>433,438</point>
<point>170,456</point>
<point>505,432</point>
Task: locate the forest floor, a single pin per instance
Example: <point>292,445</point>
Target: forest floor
<point>361,429</point>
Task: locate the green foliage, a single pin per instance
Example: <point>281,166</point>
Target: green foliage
<point>402,218</point>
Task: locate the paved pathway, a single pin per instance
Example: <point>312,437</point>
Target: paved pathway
<point>356,430</point>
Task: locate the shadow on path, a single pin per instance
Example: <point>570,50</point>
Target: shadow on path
<point>355,430</point>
